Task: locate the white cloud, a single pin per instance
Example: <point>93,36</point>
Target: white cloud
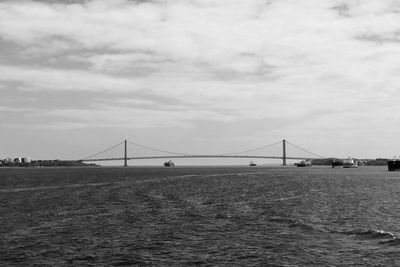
<point>45,79</point>
<point>224,61</point>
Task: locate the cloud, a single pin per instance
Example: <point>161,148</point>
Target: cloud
<point>46,79</point>
<point>191,63</point>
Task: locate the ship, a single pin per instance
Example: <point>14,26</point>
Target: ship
<point>169,164</point>
<point>394,165</point>
<point>252,163</point>
<point>349,163</point>
<point>337,162</point>
<point>304,163</point>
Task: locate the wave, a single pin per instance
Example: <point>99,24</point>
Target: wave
<point>392,242</point>
<point>371,234</point>
<point>21,189</point>
<point>291,223</point>
<point>386,238</point>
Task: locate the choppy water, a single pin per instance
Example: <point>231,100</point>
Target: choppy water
<point>224,216</point>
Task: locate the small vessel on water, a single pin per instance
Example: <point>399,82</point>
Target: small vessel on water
<point>349,163</point>
<point>337,162</point>
<point>393,165</point>
<point>169,163</point>
<point>252,163</point>
<point>304,163</point>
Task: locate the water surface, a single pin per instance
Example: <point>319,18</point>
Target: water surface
<point>207,216</point>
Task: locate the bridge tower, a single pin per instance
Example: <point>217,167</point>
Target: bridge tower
<point>284,152</point>
<point>126,155</point>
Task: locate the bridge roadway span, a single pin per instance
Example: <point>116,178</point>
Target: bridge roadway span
<point>196,156</point>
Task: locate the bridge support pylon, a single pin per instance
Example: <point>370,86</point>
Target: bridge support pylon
<point>126,155</point>
<point>284,152</point>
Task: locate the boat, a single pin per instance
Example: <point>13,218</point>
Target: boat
<point>337,162</point>
<point>349,163</point>
<point>304,163</point>
<point>394,165</point>
<point>169,164</point>
<point>252,163</point>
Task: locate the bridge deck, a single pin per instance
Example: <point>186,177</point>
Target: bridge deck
<point>195,156</point>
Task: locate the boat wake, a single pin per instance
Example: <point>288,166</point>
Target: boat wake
<point>21,189</point>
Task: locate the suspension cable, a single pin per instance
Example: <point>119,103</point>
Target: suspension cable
<point>108,149</point>
<point>158,150</point>
<point>254,149</point>
<point>305,150</point>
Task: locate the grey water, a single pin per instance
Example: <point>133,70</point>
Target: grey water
<point>199,216</point>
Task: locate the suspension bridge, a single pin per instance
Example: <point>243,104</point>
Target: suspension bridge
<point>124,156</point>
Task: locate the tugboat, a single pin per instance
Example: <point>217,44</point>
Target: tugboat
<point>394,165</point>
<point>304,163</point>
<point>252,163</point>
<point>169,164</point>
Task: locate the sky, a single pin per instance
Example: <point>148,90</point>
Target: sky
<point>199,76</point>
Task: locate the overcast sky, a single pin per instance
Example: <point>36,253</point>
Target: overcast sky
<point>199,76</point>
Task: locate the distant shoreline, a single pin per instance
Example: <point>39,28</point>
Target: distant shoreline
<point>48,163</point>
